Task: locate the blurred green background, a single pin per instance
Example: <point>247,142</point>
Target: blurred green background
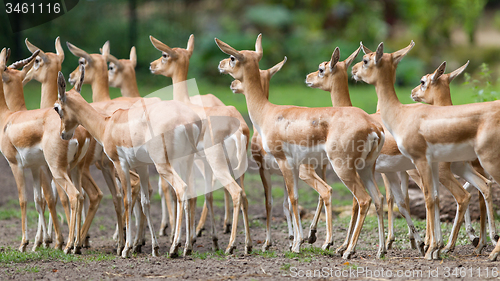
<point>306,31</point>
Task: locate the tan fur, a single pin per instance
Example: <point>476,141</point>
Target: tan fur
<point>174,63</point>
<point>281,125</point>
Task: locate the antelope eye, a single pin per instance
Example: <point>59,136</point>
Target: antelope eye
<point>110,68</point>
<point>365,61</point>
<point>56,109</point>
<point>37,60</point>
<point>422,82</point>
<point>321,70</point>
<point>232,58</point>
<point>165,56</point>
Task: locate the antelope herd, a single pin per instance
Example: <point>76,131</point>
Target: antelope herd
<point>432,143</point>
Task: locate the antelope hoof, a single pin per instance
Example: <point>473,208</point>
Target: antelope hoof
<point>326,246</point>
<point>156,251</point>
<point>347,255</point>
<point>230,250</point>
<point>447,249</point>
<point>77,250</point>
<point>126,252</point>
<point>58,246</point>
<point>296,248</point>
<point>86,242</point>
<point>426,247</point>
<point>340,250</point>
<point>290,237</point>
<point>200,232</point>
<point>312,236</point>
<point>22,248</point>
<point>67,250</point>
<point>421,248</point>
<point>266,246</point>
<point>493,256</point>
<point>226,228</point>
<point>435,254</point>
<point>215,244</point>
<point>381,254</point>
<point>187,251</point>
<point>137,248</point>
<point>173,253</point>
<point>389,242</point>
<point>119,250</point>
<point>496,237</point>
<point>248,250</point>
<point>479,249</point>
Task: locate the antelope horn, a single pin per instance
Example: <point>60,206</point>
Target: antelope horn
<point>21,63</point>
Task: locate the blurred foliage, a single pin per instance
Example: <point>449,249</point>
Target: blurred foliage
<point>481,84</point>
<point>306,31</point>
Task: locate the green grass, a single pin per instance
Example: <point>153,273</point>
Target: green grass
<point>13,256</point>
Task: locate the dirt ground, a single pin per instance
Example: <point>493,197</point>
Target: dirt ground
<point>400,263</point>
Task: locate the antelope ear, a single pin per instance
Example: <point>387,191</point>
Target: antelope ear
<point>59,49</point>
<point>351,58</point>
<point>229,50</point>
<point>133,56</point>
<point>379,52</point>
<point>438,72</point>
<point>276,68</point>
<point>335,58</point>
<point>79,83</point>
<point>3,53</point>
<point>457,72</point>
<point>190,45</point>
<point>258,46</point>
<point>61,87</point>
<point>79,52</point>
<point>162,47</point>
<point>399,55</point>
<point>32,48</point>
<point>105,51</point>
<point>365,49</point>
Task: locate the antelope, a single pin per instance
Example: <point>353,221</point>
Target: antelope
<point>14,95</point>
<point>96,67</point>
<point>268,165</point>
<point>295,135</point>
<point>431,134</point>
<point>434,89</point>
<point>30,139</point>
<point>131,140</point>
<point>232,133</point>
<point>332,76</point>
<point>44,70</point>
<point>121,74</point>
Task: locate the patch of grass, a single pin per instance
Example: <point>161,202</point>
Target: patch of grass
<point>10,256</point>
<point>266,254</point>
<point>286,266</point>
<point>198,255</point>
<point>291,255</point>
<point>28,269</point>
<point>257,223</point>
<point>102,227</point>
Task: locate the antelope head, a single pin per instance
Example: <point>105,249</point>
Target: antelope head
<point>46,65</point>
<point>436,86</point>
<point>64,106</point>
<point>332,72</point>
<point>172,60</point>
